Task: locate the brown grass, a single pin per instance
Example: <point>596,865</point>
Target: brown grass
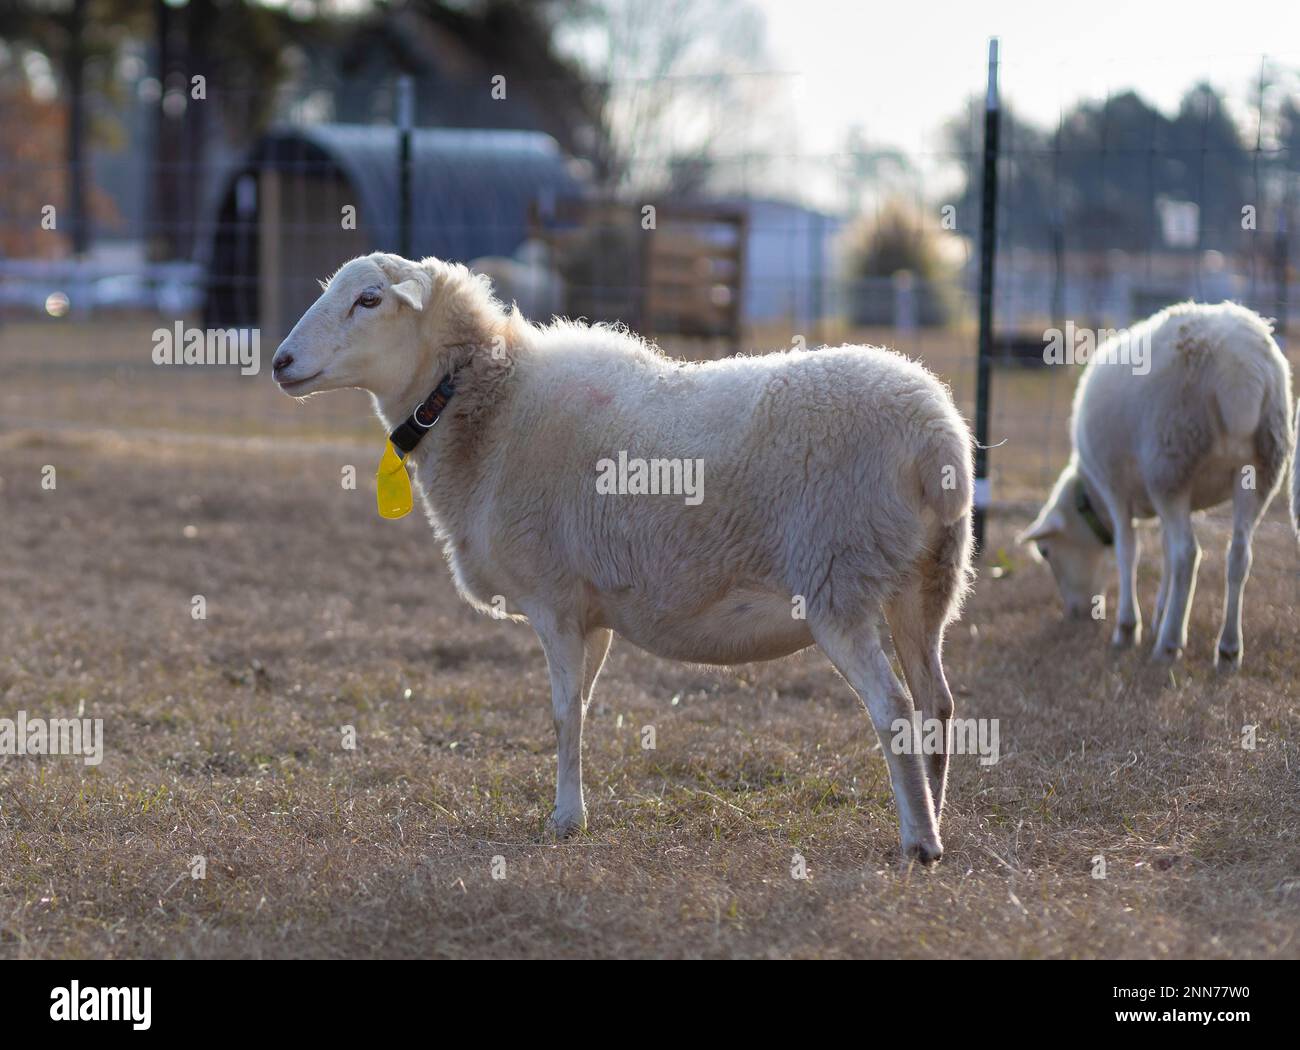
<point>223,736</point>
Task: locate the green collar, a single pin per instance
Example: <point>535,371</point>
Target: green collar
<point>1089,514</point>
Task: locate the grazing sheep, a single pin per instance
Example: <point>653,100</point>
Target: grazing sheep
<point>833,487</point>
<point>1179,413</point>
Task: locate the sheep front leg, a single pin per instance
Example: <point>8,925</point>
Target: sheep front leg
<point>1182,559</point>
<point>565,656</point>
<point>1128,628</point>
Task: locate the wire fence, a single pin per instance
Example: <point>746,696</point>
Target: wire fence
<point>1115,211</point>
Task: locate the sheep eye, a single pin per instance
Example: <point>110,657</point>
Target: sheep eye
<point>1047,555</point>
<point>369,300</point>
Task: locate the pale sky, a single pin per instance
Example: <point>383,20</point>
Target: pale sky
<point>899,68</point>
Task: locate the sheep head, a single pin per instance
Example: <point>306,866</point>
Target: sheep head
<point>364,331</point>
<point>1061,537</point>
<point>383,322</point>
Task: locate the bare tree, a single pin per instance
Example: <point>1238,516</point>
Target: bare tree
<point>683,85</point>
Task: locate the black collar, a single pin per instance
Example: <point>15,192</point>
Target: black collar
<point>409,432</point>
<point>1089,514</point>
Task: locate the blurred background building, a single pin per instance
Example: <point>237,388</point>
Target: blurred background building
<point>139,142</point>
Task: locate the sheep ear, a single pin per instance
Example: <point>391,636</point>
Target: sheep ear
<point>411,292</point>
<point>1049,523</point>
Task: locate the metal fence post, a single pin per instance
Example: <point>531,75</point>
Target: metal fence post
<point>1281,264</point>
<point>405,123</point>
<point>988,251</point>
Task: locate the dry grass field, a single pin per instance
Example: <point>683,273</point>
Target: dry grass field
<point>223,736</point>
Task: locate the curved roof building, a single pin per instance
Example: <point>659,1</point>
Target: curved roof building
<point>306,199</point>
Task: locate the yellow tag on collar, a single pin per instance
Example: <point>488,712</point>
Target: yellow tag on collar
<point>393,485</point>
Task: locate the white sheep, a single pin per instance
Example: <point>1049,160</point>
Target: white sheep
<point>1179,413</point>
<point>835,484</point>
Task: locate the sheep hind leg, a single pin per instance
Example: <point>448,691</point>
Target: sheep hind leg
<point>596,649</point>
<point>857,655</point>
<point>1247,509</point>
<point>918,642</point>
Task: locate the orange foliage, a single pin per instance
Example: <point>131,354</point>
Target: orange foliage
<point>34,170</point>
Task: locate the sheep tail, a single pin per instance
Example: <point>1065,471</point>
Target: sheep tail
<point>1275,449</point>
<point>947,475</point>
<point>946,571</point>
<point>947,485</point>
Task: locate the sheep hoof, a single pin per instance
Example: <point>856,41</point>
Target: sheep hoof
<point>1227,661</point>
<point>1126,636</point>
<point>1164,654</point>
<point>927,851</point>
<point>563,826</point>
